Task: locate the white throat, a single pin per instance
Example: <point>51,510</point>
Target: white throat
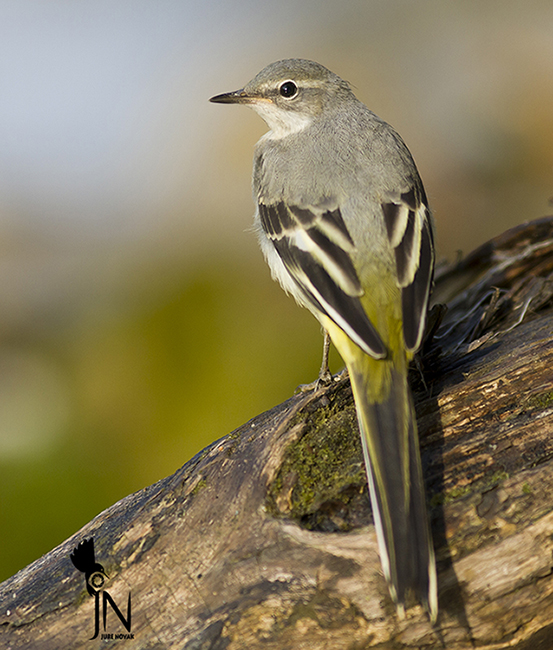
<point>281,122</point>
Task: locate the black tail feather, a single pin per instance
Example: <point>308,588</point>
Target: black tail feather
<point>392,457</point>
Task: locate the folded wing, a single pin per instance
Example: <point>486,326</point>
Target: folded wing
<point>315,246</point>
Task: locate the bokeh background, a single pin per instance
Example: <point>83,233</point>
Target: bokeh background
<point>138,322</point>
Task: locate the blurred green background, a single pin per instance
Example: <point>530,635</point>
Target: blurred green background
<point>138,322</point>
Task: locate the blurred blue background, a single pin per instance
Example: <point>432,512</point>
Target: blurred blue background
<point>138,321</point>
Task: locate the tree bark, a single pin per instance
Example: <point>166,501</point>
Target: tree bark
<point>265,538</point>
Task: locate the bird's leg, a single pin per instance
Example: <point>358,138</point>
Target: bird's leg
<point>325,376</point>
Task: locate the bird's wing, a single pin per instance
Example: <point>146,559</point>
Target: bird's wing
<point>409,229</point>
<point>315,245</point>
<point>83,555</point>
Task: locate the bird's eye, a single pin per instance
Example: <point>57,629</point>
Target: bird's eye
<point>288,89</point>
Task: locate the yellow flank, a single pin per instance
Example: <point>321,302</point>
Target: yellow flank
<point>377,371</point>
<point>382,304</point>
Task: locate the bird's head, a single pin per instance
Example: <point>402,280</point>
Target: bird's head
<point>290,94</point>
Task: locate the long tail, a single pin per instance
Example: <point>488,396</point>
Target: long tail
<point>392,458</point>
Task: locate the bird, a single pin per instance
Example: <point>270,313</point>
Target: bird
<point>344,224</point>
<point>84,560</point>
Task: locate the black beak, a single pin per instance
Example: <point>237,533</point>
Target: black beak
<point>236,97</point>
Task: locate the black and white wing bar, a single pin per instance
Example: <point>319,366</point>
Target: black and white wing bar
<point>314,245</point>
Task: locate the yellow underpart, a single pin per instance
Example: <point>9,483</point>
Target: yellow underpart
<point>382,304</point>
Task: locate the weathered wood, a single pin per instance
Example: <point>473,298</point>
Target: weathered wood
<point>265,540</point>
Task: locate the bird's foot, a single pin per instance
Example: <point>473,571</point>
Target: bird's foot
<point>323,380</point>
<point>325,377</point>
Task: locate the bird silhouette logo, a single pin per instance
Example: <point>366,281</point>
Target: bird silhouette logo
<point>84,560</point>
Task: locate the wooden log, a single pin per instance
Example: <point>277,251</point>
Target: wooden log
<point>265,538</point>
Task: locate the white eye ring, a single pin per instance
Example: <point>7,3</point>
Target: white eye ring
<point>288,89</point>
